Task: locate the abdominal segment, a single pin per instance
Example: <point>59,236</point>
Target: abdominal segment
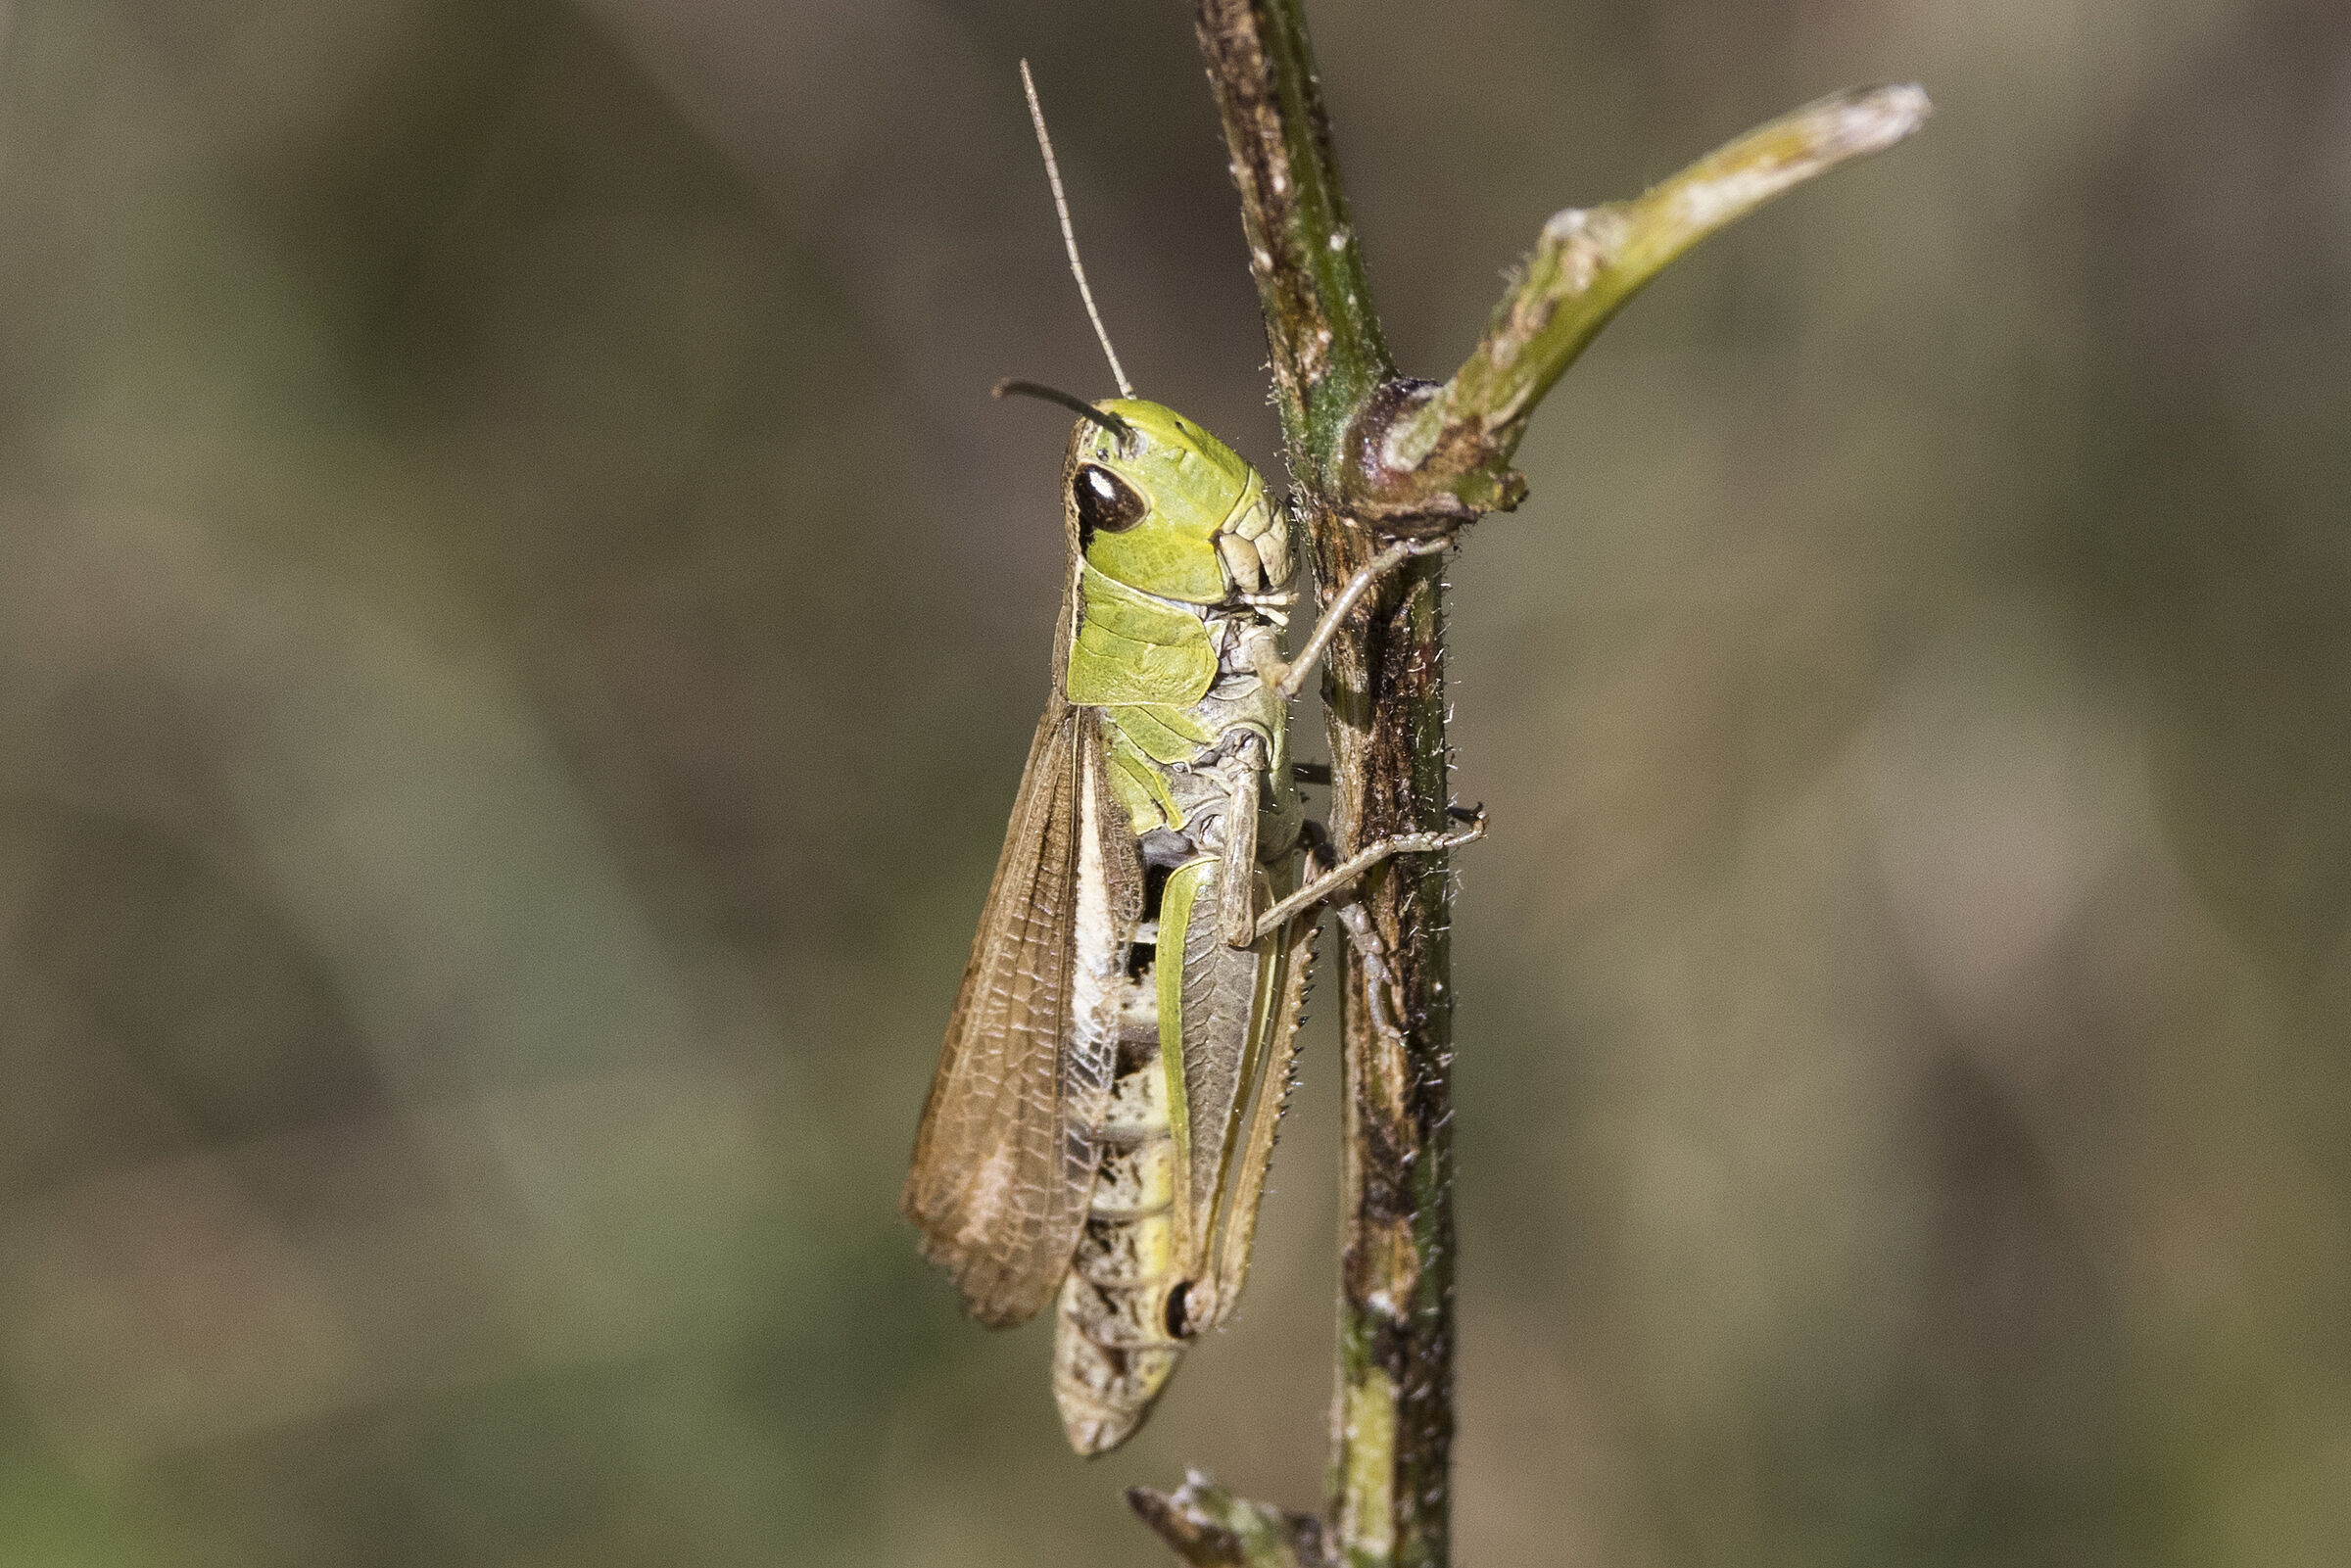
<point>1141,1283</point>
<point>1113,1349</point>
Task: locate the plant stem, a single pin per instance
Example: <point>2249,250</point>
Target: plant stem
<point>1392,1417</point>
<point>1329,354</point>
<point>1374,458</point>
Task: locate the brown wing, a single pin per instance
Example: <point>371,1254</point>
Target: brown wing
<point>1001,1175</point>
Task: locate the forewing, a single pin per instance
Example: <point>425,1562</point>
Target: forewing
<point>1001,1175</point>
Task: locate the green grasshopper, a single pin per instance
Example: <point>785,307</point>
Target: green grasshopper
<point>1104,1109</point>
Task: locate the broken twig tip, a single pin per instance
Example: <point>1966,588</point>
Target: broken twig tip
<point>1870,120</point>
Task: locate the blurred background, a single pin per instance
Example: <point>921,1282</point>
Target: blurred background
<point>519,625</point>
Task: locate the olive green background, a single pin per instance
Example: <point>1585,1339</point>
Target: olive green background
<point>518,625</point>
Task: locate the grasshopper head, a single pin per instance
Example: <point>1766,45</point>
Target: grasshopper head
<point>1166,508</point>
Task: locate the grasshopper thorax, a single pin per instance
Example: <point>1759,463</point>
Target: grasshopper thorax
<point>1158,503</point>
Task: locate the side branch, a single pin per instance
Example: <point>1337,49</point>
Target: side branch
<point>1449,452</point>
<point>1208,1527</point>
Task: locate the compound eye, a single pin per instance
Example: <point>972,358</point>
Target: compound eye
<point>1106,503</point>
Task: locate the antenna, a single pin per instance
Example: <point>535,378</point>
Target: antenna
<point>1014,386</point>
<point>1068,235</point>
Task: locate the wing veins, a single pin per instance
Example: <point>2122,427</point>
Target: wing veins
<point>998,1186</point>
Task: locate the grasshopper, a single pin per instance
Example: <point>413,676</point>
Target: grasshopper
<point>1103,1114</point>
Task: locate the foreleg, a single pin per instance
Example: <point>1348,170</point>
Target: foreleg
<point>1289,678</point>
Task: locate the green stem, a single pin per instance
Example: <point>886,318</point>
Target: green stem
<point>1392,1418</point>
<point>1329,354</point>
